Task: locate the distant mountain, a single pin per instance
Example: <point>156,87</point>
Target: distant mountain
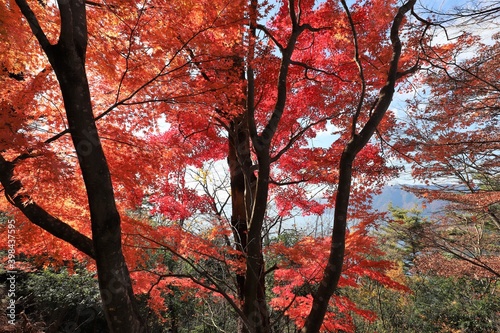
<point>398,197</point>
<point>321,225</point>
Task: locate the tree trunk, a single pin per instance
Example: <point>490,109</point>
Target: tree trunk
<point>67,58</point>
<point>239,160</point>
<point>255,304</point>
<point>358,141</point>
<point>243,189</point>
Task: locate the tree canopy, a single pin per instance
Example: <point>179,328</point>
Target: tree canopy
<point>166,145</point>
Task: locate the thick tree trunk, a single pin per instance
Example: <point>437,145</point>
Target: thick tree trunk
<point>243,191</point>
<point>251,287</point>
<point>114,279</point>
<point>67,58</point>
<point>255,304</point>
<point>239,162</point>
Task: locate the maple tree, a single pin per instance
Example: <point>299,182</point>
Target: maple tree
<point>451,127</point>
<point>67,57</point>
<point>447,294</point>
<point>34,149</point>
<point>452,141</point>
<point>228,86</point>
<point>257,134</point>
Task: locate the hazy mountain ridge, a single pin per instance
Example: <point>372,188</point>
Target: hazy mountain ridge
<point>399,197</point>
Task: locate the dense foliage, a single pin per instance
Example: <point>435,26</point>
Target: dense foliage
<point>162,163</point>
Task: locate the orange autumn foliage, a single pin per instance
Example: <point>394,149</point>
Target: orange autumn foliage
<point>170,82</point>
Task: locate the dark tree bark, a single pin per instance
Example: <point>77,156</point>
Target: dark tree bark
<point>67,58</point>
<point>359,140</point>
<point>255,303</point>
<point>37,215</point>
<point>242,182</point>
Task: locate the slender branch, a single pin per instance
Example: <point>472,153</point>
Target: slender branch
<point>357,60</point>
<point>475,261</point>
<point>297,136</point>
<point>295,182</point>
<point>308,67</point>
<point>271,36</point>
<point>35,26</point>
<point>130,42</point>
<point>282,314</point>
<point>250,93</point>
<point>218,289</point>
<point>293,14</point>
